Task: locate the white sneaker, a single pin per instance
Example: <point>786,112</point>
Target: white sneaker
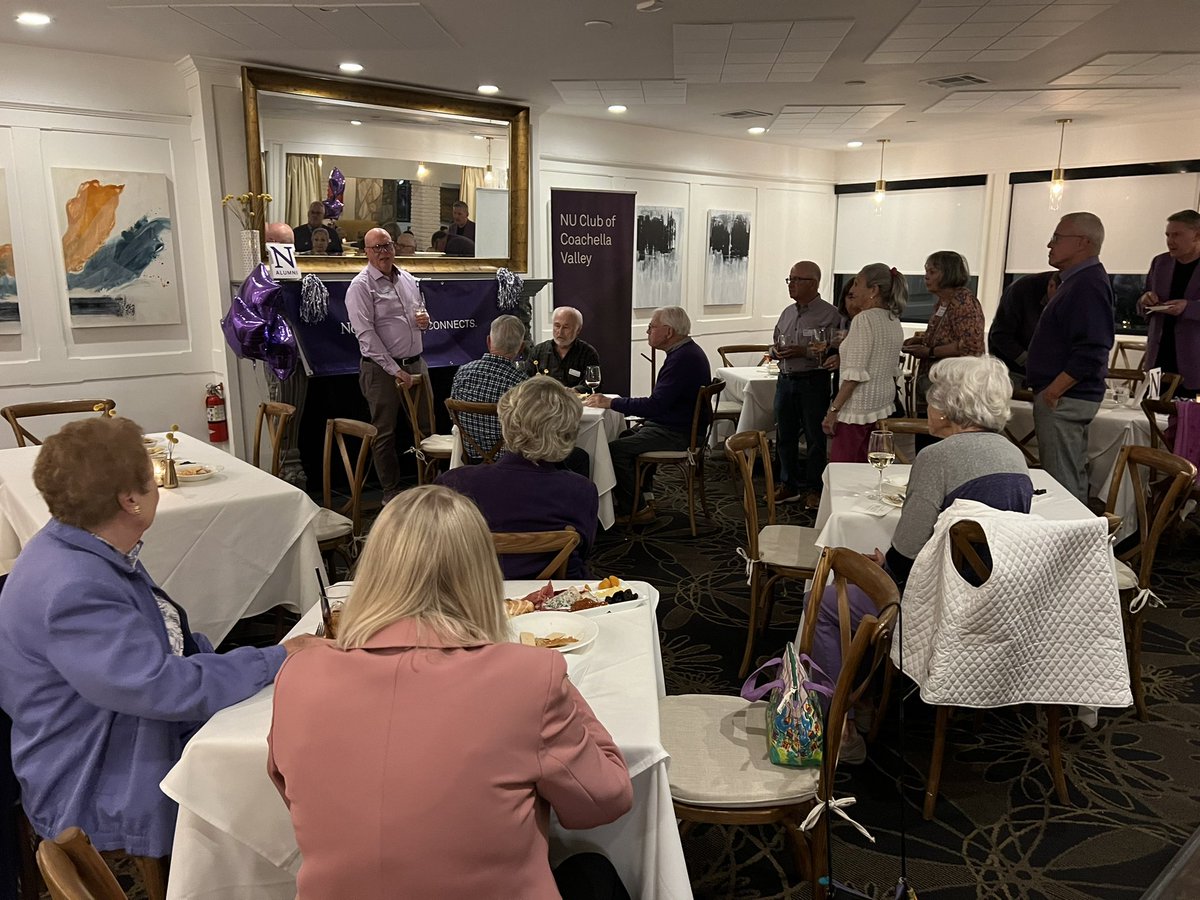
<point>854,749</point>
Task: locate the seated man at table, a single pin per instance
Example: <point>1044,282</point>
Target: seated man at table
<point>485,380</point>
<point>565,357</point>
<point>99,671</point>
<point>525,490</point>
<point>316,219</point>
<point>968,407</point>
<point>668,410</point>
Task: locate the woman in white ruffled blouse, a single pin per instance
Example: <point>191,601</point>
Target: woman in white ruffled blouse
<point>868,358</point>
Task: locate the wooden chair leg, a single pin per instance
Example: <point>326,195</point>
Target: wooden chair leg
<point>1054,752</point>
<point>752,629</point>
<point>885,695</point>
<point>153,872</point>
<point>31,877</point>
<point>638,472</point>
<point>703,492</point>
<point>935,762</point>
<point>690,478</point>
<point>1133,645</point>
<point>817,855</point>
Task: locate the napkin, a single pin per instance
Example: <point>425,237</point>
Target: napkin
<point>876,508</point>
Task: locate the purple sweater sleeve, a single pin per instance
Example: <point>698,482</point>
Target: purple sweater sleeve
<point>673,400</point>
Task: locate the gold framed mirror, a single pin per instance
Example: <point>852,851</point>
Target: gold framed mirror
<point>410,154</point>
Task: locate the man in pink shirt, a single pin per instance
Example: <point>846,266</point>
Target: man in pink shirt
<point>388,315</point>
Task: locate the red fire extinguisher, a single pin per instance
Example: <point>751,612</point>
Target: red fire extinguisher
<point>214,408</point>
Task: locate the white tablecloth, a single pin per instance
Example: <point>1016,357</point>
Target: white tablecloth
<point>596,429</point>
<point>233,546</point>
<point>846,486</point>
<point>754,388</point>
<point>234,838</point>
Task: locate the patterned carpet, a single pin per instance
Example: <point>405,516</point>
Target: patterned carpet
<point>999,830</point>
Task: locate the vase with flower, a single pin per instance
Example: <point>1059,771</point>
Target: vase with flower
<point>250,210</point>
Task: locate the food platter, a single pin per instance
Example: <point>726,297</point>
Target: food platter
<point>608,593</point>
<point>542,626</point>
<point>190,473</point>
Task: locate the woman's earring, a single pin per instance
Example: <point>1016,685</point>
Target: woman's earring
<point>137,507</point>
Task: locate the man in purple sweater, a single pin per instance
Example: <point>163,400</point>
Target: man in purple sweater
<point>1068,355</point>
<point>668,410</point>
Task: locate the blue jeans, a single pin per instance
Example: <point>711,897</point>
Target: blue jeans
<point>801,401</point>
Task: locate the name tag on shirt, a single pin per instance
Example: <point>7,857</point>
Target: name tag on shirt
<point>941,312</point>
<point>574,373</point>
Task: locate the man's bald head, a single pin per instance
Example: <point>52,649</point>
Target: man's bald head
<point>381,252</point>
<point>280,233</point>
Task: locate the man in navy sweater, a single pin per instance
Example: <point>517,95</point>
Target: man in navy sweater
<point>668,410</point>
<point>1068,355</point>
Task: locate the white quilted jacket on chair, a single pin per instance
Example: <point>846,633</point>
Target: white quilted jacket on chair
<point>1044,628</point>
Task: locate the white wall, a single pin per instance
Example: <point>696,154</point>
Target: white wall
<point>125,115</point>
<point>788,192</point>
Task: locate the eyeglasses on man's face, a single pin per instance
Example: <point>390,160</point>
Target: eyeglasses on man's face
<point>792,279</point>
<point>383,248</point>
<point>1056,237</point>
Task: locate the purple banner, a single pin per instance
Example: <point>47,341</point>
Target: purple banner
<point>591,239</point>
<point>460,312</point>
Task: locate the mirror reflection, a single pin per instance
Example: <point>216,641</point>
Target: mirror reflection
<point>438,183</point>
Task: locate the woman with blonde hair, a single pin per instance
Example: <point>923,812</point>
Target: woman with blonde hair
<point>868,360</point>
<point>422,754</point>
<point>527,489</point>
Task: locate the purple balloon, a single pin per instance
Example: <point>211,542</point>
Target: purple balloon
<point>334,194</point>
<point>255,328</point>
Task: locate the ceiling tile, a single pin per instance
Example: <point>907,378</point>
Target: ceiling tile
<point>947,56</point>
<point>749,51</point>
<point>1061,12</point>
<point>1001,55</point>
<point>902,44</point>
<point>1012,14</point>
<point>733,58</point>
<point>922,31</point>
<point>1015,42</point>
<point>892,58</point>
<point>982,29</point>
<point>924,15</point>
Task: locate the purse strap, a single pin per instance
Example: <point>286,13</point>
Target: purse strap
<point>753,692</point>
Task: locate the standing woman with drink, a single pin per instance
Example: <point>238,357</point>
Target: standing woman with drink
<point>868,360</point>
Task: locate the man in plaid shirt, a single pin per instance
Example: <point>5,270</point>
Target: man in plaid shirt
<point>484,380</point>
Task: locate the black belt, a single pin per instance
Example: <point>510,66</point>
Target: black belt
<point>807,374</point>
<point>408,360</point>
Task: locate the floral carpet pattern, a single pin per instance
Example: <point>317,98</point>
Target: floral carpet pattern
<point>999,830</point>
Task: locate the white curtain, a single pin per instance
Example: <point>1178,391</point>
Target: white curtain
<point>303,186</point>
<point>472,179</point>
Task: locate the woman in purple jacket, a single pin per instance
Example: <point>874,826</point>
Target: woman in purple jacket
<point>98,670</point>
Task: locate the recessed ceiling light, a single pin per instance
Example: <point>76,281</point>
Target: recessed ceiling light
<point>757,129</point>
<point>853,145</point>
<point>616,108</point>
<point>355,122</point>
<point>598,24</point>
<point>855,81</point>
<point>350,67</point>
<point>33,18</point>
<point>650,5</point>
<point>488,89</point>
<point>478,137</point>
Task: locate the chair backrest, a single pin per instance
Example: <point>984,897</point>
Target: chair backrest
<point>746,448</point>
<point>907,383</point>
<point>1160,437</point>
<point>417,401</point>
<point>706,398</point>
<point>19,411</point>
<point>1022,442</point>
<point>1131,378</point>
<point>74,870</point>
<point>561,543</point>
<point>904,426</point>
<point>760,350</point>
<point>1161,483</point>
<point>847,567</point>
<point>336,432</point>
<point>1127,354</point>
<point>475,450</point>
<point>276,416</point>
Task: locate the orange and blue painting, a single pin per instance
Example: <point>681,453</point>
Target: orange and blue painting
<point>10,312</point>
<point>118,248</point>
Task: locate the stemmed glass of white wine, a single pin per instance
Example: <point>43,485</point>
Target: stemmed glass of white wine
<point>591,377</point>
<point>881,453</point>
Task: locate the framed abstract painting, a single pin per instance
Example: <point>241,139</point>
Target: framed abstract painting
<point>118,247</point>
<point>727,267</point>
<point>10,311</point>
<point>658,266</point>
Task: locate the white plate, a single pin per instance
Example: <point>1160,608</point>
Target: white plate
<point>896,485</point>
<point>540,624</point>
<point>209,472</point>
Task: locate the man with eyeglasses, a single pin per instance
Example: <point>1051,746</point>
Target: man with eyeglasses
<point>388,315</point>
<point>804,388</point>
<point>1173,343</point>
<point>316,219</point>
<point>1068,354</point>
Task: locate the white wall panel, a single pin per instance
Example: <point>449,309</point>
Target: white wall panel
<point>1134,211</point>
<point>909,226</point>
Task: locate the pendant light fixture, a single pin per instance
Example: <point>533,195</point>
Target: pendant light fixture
<point>487,173</point>
<point>1058,183</point>
<point>880,184</point>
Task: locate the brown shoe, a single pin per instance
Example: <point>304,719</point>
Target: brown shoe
<point>812,500</point>
<point>643,516</point>
<point>784,494</point>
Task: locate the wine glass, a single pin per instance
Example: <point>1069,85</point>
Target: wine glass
<point>591,376</point>
<point>818,343</point>
<point>881,453</point>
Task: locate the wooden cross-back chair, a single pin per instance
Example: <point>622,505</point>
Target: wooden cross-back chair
<point>903,426</point>
<point>473,450</point>
<point>1122,354</point>
<point>1163,438</point>
<point>431,450</point>
<point>772,552</point>
<point>689,461</point>
<point>759,349</point>
<point>18,411</point>
<point>560,543</point>
<point>1023,441</point>
<point>1161,483</point>
<point>907,384</point>
<point>720,772</point>
<point>339,528</point>
<point>1131,379</point>
<point>276,416</point>
<point>74,869</point>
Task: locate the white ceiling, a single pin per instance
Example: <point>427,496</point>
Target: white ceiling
<point>1097,61</point>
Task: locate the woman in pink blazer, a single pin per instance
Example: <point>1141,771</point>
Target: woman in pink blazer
<point>420,755</point>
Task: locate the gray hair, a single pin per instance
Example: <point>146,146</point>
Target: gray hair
<point>675,318</point>
<point>1089,226</point>
<point>571,312</point>
<point>893,290</point>
<point>507,335</point>
<point>952,266</point>
<point>539,419</point>
<point>1188,217</point>
<point>972,391</point>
